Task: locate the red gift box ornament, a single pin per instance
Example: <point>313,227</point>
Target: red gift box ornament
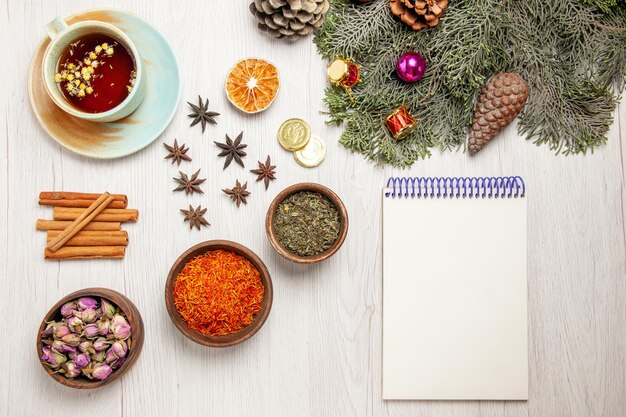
<point>344,73</point>
<point>400,123</point>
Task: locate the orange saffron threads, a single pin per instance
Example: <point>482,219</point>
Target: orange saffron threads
<point>218,293</point>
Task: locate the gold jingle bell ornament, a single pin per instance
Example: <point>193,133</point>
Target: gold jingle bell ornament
<point>344,73</point>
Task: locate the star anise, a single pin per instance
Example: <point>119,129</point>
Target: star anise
<point>201,114</point>
<point>177,153</point>
<point>190,185</point>
<point>195,217</point>
<point>232,150</point>
<point>265,172</point>
<point>238,193</point>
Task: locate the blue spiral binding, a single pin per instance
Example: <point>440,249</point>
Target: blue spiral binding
<point>456,187</point>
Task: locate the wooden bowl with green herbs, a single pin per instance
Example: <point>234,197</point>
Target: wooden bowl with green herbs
<point>306,223</point>
<point>119,325</point>
<point>218,293</point>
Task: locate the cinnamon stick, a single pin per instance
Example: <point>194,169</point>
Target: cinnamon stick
<point>108,215</point>
<point>58,197</point>
<point>80,203</point>
<point>91,238</point>
<point>62,225</point>
<point>85,252</point>
<point>83,218</point>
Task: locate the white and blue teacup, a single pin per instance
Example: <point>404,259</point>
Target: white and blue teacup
<point>61,35</point>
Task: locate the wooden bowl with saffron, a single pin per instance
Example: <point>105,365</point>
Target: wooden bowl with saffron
<point>233,338</point>
<point>315,188</point>
<point>134,348</point>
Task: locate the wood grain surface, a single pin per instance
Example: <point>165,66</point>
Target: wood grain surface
<point>319,353</point>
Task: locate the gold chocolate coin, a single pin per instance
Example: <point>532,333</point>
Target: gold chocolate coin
<point>294,134</point>
<point>312,154</point>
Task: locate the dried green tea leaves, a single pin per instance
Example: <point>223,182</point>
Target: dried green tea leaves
<point>306,223</point>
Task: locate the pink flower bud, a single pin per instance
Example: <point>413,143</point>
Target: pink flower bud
<point>120,348</point>
<point>61,331</point>
<point>72,339</point>
<point>89,315</point>
<point>75,324</point>
<point>87,302</point>
<point>120,327</point>
<point>70,369</point>
<point>107,308</point>
<point>91,331</point>
<point>101,344</point>
<point>62,347</point>
<point>82,360</point>
<point>68,308</point>
<point>101,371</point>
<point>52,358</point>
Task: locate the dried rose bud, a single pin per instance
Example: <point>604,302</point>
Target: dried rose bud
<point>52,358</point>
<point>120,348</point>
<point>75,324</point>
<point>101,344</point>
<point>68,308</point>
<point>118,363</point>
<point>87,302</point>
<point>48,332</point>
<point>103,327</point>
<point>70,369</point>
<point>82,360</point>
<point>120,327</point>
<point>101,371</point>
<point>86,347</point>
<point>107,308</point>
<point>72,339</point>
<point>91,331</point>
<point>62,347</point>
<point>110,357</point>
<point>61,331</point>
<point>89,315</point>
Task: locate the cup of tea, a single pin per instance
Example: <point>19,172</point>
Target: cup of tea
<point>92,70</point>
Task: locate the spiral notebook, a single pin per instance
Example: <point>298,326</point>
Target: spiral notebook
<point>454,289</point>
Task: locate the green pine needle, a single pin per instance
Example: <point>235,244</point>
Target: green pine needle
<point>571,52</point>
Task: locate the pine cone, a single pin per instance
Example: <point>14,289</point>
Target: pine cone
<point>289,19</point>
<point>499,103</point>
<point>418,14</point>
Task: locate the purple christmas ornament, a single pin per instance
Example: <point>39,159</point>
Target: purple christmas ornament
<point>410,67</point>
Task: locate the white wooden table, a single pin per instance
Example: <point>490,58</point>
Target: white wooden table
<point>319,354</point>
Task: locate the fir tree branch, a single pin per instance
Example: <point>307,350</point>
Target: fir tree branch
<point>573,60</point>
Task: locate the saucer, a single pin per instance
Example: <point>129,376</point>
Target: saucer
<point>135,132</point>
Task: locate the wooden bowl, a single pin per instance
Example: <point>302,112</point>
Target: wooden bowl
<point>317,188</point>
<point>137,335</point>
<point>243,334</point>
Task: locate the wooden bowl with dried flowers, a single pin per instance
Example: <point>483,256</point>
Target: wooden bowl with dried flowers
<point>306,223</point>
<point>117,337</point>
<point>218,293</point>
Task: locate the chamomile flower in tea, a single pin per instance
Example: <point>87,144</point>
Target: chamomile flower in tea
<point>96,73</point>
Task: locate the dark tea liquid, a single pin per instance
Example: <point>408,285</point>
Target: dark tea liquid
<point>105,83</point>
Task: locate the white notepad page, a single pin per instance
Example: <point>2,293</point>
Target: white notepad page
<point>454,299</point>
